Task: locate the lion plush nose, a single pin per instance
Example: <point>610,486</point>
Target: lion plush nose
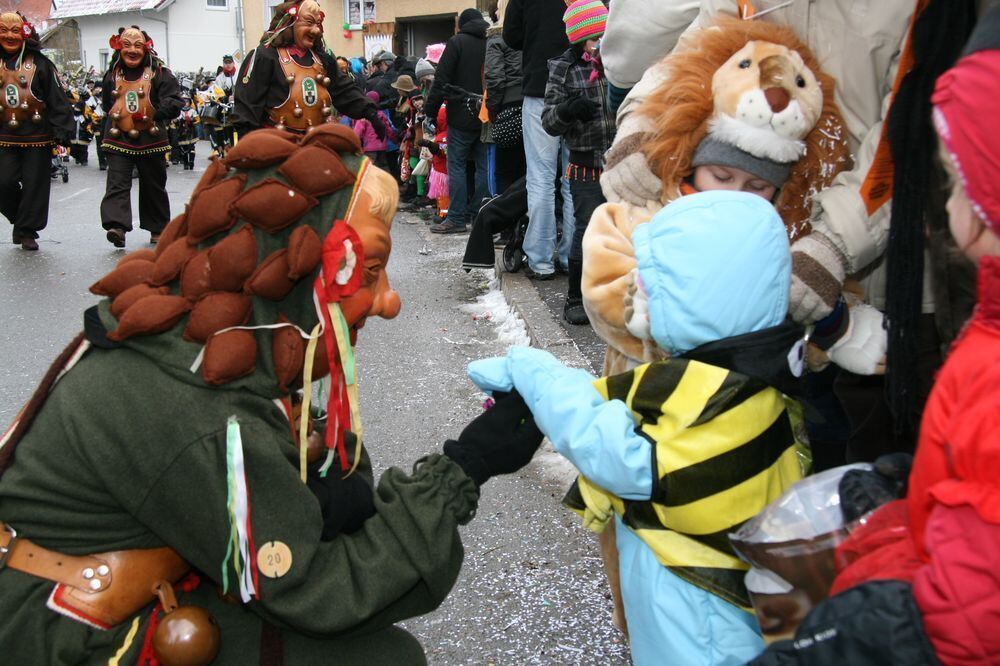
<point>777,99</point>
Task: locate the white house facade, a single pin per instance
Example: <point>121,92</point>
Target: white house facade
<point>187,34</point>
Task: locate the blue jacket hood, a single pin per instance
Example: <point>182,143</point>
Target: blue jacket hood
<point>714,265</point>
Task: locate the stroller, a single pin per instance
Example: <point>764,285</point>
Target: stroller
<point>507,211</point>
<point>59,168</point>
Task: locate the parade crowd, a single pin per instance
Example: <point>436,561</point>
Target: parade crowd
<point>781,216</point>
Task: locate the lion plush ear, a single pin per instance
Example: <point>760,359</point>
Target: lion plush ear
<point>827,154</point>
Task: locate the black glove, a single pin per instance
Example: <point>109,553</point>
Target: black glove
<point>501,440</point>
<point>345,504</point>
<point>577,108</point>
<point>862,491</point>
<point>376,120</point>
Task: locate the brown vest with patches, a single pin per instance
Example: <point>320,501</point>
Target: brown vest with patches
<point>308,103</point>
<point>132,97</point>
<point>19,104</point>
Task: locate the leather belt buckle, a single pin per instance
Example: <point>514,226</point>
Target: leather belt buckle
<point>5,550</point>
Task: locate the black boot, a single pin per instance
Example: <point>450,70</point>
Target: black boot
<point>573,312</point>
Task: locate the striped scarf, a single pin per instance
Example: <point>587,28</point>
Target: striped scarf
<point>724,449</point>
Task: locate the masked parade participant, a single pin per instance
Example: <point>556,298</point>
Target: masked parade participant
<point>194,528</point>
<point>225,82</point>
<point>36,114</point>
<point>140,97</point>
<point>290,81</point>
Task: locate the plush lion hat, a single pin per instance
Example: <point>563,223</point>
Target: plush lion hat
<point>756,86</point>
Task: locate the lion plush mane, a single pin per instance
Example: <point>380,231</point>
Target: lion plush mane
<point>682,106</point>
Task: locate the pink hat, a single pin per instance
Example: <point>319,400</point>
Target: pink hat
<point>962,99</point>
<point>585,19</point>
<point>434,52</point>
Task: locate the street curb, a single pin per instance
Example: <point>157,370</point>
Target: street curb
<point>545,333</point>
<point>543,329</point>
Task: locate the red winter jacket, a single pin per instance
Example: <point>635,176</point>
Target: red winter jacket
<point>945,536</point>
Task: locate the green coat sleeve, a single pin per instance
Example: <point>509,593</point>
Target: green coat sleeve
<point>402,563</point>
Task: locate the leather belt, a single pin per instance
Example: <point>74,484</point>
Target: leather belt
<point>101,590</point>
<point>83,572</point>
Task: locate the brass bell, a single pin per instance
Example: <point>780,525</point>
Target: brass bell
<point>24,106</point>
<point>154,130</point>
<point>115,93</point>
<point>281,124</point>
<point>142,92</point>
<point>326,81</point>
<point>114,132</point>
<point>36,117</point>
<point>186,635</point>
<point>327,111</point>
<point>290,79</point>
<point>23,81</point>
<point>297,112</point>
<point>115,115</point>
<point>13,124</point>
<point>133,134</point>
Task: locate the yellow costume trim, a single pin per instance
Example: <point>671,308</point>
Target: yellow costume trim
<point>307,371</point>
<point>129,637</point>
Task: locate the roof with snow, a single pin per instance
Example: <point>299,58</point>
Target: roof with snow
<point>35,10</point>
<point>73,8</point>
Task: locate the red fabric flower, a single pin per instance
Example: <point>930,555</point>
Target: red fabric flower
<point>27,29</point>
<point>115,42</point>
<point>343,258</point>
<point>149,44</point>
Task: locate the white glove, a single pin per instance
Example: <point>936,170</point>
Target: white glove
<point>862,348</point>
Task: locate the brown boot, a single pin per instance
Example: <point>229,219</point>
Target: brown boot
<point>116,237</point>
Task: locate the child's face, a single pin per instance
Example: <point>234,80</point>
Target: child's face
<point>717,177</point>
<point>591,46</point>
<point>969,232</point>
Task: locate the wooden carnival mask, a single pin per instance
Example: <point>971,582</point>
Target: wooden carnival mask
<point>13,31</point>
<point>307,30</point>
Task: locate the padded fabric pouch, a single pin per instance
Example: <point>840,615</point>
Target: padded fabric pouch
<point>316,171</point>
<point>272,205</point>
<point>229,356</point>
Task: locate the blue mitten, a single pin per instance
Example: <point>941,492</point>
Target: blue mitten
<point>597,436</point>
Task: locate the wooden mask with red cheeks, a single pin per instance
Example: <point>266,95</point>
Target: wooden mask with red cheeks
<point>133,47</point>
<point>11,32</point>
<point>308,28</point>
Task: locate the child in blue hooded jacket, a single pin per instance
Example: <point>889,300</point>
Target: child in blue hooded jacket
<point>680,452</point>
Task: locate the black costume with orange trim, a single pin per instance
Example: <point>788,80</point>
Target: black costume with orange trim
<point>263,87</point>
<point>35,101</point>
<point>144,99</point>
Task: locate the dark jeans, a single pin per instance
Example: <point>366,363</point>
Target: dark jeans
<point>24,188</point>
<point>587,196</point>
<point>154,206</point>
<point>464,145</point>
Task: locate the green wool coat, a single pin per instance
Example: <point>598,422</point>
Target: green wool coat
<point>124,456</point>
<point>129,451</point>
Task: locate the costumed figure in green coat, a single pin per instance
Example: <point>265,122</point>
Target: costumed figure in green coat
<point>237,522</point>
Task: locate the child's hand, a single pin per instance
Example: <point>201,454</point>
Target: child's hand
<point>637,307</point>
<point>578,108</point>
<point>862,348</point>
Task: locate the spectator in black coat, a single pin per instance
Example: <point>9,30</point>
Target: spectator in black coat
<point>459,78</point>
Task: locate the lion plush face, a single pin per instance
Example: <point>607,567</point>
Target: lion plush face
<point>766,101</point>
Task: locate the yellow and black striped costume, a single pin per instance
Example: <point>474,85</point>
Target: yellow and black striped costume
<point>723,449</point>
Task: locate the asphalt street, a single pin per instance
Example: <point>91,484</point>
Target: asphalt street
<point>532,590</point>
